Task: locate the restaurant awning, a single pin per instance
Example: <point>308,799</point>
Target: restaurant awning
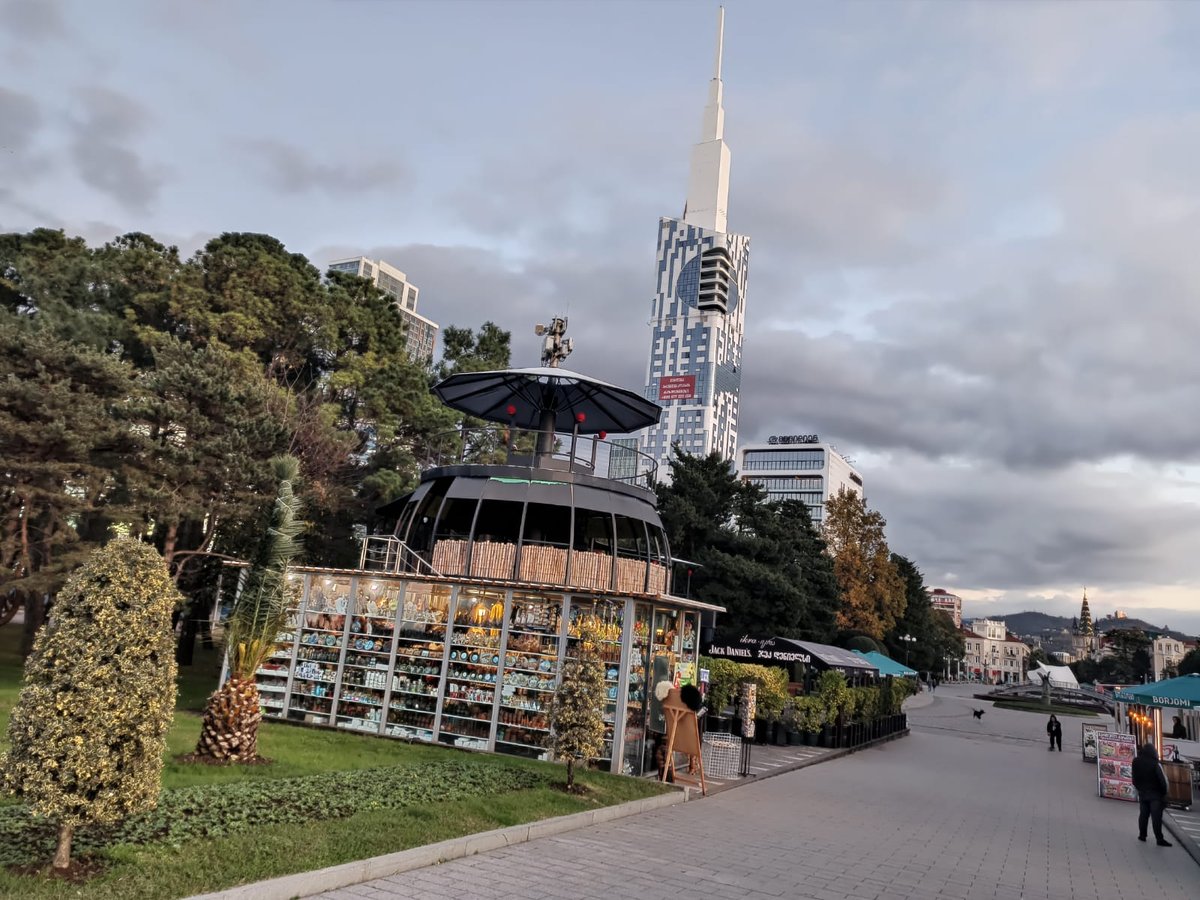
<point>886,665</point>
<point>783,651</point>
<point>1182,693</point>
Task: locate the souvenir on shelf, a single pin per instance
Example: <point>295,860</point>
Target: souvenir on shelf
<point>472,669</point>
<point>372,627</point>
<point>420,648</point>
<point>322,627</point>
<point>531,670</point>
<point>604,619</point>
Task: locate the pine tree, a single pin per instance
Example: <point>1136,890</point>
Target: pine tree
<point>576,715</point>
<point>89,728</point>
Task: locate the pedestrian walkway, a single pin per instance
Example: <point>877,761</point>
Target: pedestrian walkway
<point>963,809</point>
<point>1184,825</point>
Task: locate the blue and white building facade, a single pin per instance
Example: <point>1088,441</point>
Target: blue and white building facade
<point>697,315</point>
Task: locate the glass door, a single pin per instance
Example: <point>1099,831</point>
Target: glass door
<point>420,653</point>
<point>606,618</point>
<point>272,676</point>
<point>635,705</point>
<point>471,675</point>
<point>322,626</point>
<point>530,674</point>
<point>368,655</point>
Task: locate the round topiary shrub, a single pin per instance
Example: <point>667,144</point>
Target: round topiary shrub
<point>89,728</point>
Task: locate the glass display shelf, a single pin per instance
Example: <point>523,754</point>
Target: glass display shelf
<point>605,620</point>
<point>472,668</point>
<point>531,672</point>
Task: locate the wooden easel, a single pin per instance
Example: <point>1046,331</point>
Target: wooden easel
<point>683,736</point>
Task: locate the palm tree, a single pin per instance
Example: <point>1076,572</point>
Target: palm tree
<point>231,717</point>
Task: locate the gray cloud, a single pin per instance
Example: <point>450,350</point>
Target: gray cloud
<point>291,170</point>
<point>99,146</point>
<point>32,20</point>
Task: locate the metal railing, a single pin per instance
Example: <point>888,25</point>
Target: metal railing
<point>387,553</point>
<point>569,452</point>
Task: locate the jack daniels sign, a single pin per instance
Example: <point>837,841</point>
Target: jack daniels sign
<point>749,649</point>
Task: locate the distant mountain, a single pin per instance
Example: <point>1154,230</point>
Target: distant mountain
<point>1041,624</point>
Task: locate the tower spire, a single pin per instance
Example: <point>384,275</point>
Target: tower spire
<point>720,42</point>
<point>708,181</point>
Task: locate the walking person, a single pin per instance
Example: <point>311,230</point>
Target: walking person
<point>1054,729</point>
<point>1151,784</point>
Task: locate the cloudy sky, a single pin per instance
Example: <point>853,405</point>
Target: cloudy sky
<point>974,263</point>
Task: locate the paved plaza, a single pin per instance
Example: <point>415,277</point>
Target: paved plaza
<point>963,809</point>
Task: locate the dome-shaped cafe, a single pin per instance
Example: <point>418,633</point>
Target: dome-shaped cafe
<point>456,624</point>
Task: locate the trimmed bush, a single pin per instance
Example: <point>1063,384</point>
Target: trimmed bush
<point>89,728</point>
<point>725,675</point>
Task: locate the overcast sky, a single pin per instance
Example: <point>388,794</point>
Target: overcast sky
<point>975,228</point>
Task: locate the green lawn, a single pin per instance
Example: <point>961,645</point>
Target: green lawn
<point>163,870</point>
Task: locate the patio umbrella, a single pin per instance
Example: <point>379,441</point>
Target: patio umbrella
<point>1182,692</point>
<point>548,399</point>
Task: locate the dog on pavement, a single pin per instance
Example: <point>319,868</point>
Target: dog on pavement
<point>978,713</point>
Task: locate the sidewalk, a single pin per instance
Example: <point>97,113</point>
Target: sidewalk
<point>1184,825</point>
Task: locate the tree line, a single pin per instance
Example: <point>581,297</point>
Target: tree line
<point>144,393</point>
<point>779,574</point>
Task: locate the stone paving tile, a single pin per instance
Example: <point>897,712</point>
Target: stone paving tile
<point>962,809</point>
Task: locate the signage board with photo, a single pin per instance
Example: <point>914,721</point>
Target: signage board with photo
<point>1114,765</point>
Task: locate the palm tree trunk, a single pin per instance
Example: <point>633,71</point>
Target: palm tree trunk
<point>229,732</point>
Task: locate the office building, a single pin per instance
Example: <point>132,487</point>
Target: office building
<point>421,332</point>
<point>798,467</point>
<point>698,311</point>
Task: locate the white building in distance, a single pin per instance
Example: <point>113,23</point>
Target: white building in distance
<point>993,656</point>
<point>947,603</point>
<point>798,467</point>
<point>698,312</point>
<point>421,333</point>
<point>1166,652</point>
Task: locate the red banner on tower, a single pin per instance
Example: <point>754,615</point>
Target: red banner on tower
<point>677,387</point>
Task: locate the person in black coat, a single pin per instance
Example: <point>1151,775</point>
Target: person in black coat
<point>1151,784</point>
<point>1179,731</point>
<point>1054,729</point>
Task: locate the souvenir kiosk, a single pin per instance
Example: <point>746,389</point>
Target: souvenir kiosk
<point>455,626</point>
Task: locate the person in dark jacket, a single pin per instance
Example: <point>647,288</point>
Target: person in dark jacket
<point>1179,731</point>
<point>1151,786</point>
<point>1054,729</point>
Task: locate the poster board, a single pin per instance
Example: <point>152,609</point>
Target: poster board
<point>1114,765</point>
<point>1088,741</point>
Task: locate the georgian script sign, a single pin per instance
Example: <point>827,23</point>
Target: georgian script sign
<point>759,650</point>
<point>793,439</point>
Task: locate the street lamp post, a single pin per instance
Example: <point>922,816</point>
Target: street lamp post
<point>908,640</point>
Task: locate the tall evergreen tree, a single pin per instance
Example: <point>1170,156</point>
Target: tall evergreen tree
<point>764,562</point>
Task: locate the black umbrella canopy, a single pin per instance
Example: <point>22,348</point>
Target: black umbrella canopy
<point>522,396</point>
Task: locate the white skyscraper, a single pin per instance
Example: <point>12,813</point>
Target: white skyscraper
<point>698,311</point>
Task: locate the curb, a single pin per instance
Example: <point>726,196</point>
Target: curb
<point>305,884</point>
<point>1181,837</point>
